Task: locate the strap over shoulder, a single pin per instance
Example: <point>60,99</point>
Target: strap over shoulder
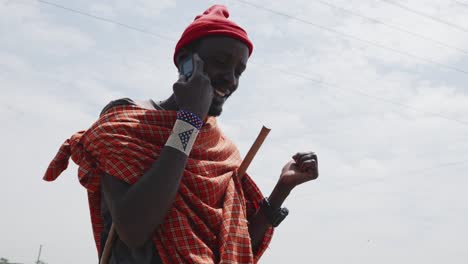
<point>118,102</point>
<point>147,104</point>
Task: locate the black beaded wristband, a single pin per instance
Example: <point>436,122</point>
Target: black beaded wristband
<point>274,216</point>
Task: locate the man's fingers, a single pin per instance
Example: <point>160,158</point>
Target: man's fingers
<point>198,65</point>
<point>182,79</point>
<point>180,84</point>
<point>308,175</point>
<point>308,165</point>
<point>308,156</point>
<point>306,161</point>
<point>305,157</point>
<point>299,155</point>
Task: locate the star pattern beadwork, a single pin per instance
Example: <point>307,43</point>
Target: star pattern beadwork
<point>185,137</point>
<point>190,118</point>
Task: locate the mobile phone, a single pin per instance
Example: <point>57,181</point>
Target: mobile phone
<point>186,67</point>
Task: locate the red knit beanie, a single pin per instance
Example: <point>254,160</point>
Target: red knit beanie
<point>214,21</point>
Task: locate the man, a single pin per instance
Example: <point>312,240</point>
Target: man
<point>164,173</point>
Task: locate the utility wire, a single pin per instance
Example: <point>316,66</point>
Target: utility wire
<point>106,20</point>
<point>361,93</point>
<point>269,10</point>
<point>303,76</point>
<point>412,173</point>
<point>447,23</point>
<point>461,3</point>
<point>374,20</point>
<point>431,61</point>
<point>318,82</point>
<point>440,165</point>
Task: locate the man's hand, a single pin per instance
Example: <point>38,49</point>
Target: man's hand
<point>196,93</point>
<point>303,168</point>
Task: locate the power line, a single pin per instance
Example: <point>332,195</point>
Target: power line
<point>318,82</point>
<point>374,20</point>
<point>461,3</point>
<point>106,20</point>
<point>306,77</point>
<point>447,23</point>
<point>418,172</point>
<point>270,10</point>
<point>431,61</point>
<point>440,165</point>
<point>361,93</point>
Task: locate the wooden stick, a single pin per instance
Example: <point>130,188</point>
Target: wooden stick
<point>108,247</point>
<point>252,151</point>
<point>240,173</point>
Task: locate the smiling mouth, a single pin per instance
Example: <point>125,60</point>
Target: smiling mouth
<point>222,94</point>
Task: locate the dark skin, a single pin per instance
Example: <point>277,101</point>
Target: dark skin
<point>138,210</point>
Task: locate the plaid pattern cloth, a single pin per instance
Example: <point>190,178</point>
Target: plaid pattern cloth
<point>207,222</point>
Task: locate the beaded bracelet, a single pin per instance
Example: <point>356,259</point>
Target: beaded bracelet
<point>190,117</point>
<point>184,132</point>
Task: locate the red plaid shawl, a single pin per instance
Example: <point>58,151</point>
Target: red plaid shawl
<point>208,220</point>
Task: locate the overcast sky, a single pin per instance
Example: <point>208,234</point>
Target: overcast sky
<point>388,119</point>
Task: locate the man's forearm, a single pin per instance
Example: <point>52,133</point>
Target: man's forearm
<point>259,223</point>
<point>142,207</point>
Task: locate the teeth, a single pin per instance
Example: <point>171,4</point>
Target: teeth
<point>220,93</point>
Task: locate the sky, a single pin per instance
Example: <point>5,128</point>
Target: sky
<point>376,87</point>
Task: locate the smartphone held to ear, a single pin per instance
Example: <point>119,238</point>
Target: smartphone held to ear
<point>186,66</point>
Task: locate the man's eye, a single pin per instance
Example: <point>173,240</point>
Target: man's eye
<point>220,62</point>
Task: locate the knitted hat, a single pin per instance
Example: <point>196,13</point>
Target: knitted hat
<point>214,21</point>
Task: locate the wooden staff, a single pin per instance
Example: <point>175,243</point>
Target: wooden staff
<point>240,173</point>
<point>108,247</point>
<point>252,151</point>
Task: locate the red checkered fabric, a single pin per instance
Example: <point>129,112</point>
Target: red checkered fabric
<point>207,222</point>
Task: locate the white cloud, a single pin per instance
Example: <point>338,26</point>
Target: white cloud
<point>386,193</point>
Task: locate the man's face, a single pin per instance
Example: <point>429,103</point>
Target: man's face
<point>224,61</point>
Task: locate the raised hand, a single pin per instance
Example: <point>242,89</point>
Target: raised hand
<point>196,93</point>
<point>303,168</point>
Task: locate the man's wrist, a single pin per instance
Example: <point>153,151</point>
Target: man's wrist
<point>184,132</point>
<point>274,216</point>
<point>279,194</point>
<point>190,118</point>
<point>200,114</point>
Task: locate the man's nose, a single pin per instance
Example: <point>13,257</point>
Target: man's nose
<point>230,79</point>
